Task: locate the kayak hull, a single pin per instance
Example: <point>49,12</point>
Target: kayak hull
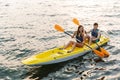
<point>61,60</point>
<point>56,55</point>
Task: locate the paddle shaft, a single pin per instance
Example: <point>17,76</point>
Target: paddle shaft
<point>97,44</point>
<point>67,33</point>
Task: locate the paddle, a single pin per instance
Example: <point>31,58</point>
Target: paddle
<point>106,54</point>
<point>76,21</point>
<point>59,28</point>
<point>103,50</point>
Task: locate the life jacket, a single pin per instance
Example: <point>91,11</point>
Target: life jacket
<point>79,38</point>
<point>94,32</point>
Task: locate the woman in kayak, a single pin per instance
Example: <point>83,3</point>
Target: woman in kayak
<point>79,35</point>
<point>95,34</point>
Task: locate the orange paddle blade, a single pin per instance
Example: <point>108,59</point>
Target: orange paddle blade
<point>98,53</point>
<point>76,21</point>
<point>59,28</point>
<point>106,54</point>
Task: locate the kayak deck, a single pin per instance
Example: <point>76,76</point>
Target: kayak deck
<point>57,55</point>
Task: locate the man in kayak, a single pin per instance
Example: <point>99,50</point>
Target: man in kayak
<point>79,35</point>
<point>95,34</point>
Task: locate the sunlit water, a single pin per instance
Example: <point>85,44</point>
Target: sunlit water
<point>26,28</point>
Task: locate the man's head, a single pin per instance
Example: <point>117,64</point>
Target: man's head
<point>95,25</point>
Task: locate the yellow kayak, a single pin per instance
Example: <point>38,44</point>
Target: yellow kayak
<point>57,55</point>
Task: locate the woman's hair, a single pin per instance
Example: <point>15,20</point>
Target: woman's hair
<point>78,31</point>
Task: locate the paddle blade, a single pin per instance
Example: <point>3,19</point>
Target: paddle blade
<point>59,28</point>
<point>76,21</point>
<point>98,53</point>
<point>106,54</point>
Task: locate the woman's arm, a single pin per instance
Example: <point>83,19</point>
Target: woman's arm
<point>74,34</point>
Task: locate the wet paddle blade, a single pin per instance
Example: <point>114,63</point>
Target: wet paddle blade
<point>106,54</point>
<point>76,21</point>
<point>59,28</point>
<point>98,53</point>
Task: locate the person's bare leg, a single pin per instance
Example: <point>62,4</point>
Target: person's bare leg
<point>73,47</point>
<point>66,46</point>
<point>91,39</point>
<point>79,44</point>
<point>75,44</point>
